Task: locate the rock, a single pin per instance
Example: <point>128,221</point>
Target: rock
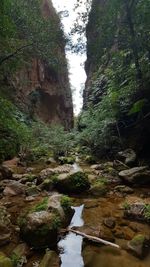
<point>5,261</point>
<point>46,173</point>
<point>5,232</point>
<point>137,211</point>
<point>39,228</point>
<point>110,222</point>
<point>136,175</point>
<point>21,252</point>
<point>106,234</point>
<point>14,188</point>
<point>5,173</point>
<point>32,191</point>
<point>47,184</point>
<point>139,246</point>
<point>124,189</point>
<point>50,161</point>
<point>13,163</point>
<point>50,259</point>
<point>55,205</point>
<point>123,233</point>
<point>98,189</point>
<point>73,183</point>
<point>128,156</point>
<point>30,170</point>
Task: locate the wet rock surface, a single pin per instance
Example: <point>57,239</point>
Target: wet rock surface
<point>104,214</point>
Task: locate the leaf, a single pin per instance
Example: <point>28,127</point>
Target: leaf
<point>137,106</point>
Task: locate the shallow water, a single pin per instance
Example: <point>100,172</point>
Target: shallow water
<point>71,246</point>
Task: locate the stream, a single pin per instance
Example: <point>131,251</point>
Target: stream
<point>71,246</point>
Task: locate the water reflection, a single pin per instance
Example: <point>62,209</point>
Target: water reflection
<point>71,245</point>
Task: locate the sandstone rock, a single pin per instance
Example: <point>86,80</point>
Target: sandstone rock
<point>50,259</point>
<point>136,175</point>
<point>128,156</point>
<point>139,246</point>
<point>14,188</point>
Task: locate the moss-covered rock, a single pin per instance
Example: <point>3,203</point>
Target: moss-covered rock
<point>139,245</point>
<point>5,261</point>
<point>73,183</point>
<point>39,227</point>
<point>50,259</point>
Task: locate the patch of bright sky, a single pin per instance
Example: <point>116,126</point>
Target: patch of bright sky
<point>77,74</point>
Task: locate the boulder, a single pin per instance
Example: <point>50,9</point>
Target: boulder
<point>38,230</point>
<point>98,189</point>
<point>39,227</point>
<point>128,156</point>
<point>32,191</point>
<point>137,176</point>
<point>73,183</point>
<point>137,211</point>
<point>14,188</point>
<point>50,259</point>
<point>46,173</point>
<point>139,246</point>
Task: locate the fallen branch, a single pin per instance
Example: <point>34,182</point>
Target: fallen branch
<point>121,163</point>
<point>94,238</point>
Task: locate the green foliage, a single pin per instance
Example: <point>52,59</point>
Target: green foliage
<point>126,205</point>
<point>66,202</point>
<point>56,223</point>
<point>41,206</point>
<point>13,131</point>
<point>137,106</point>
<point>147,211</point>
<point>118,62</point>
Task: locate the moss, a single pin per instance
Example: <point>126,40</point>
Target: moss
<point>79,182</point>
<point>137,240</point>
<point>41,206</point>
<point>66,203</point>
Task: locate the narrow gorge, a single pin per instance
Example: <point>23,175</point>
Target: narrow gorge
<point>74,181</point>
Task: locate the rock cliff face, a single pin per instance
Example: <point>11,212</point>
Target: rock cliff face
<point>43,91</point>
<point>93,38</point>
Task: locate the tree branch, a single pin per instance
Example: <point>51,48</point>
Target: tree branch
<point>14,53</point>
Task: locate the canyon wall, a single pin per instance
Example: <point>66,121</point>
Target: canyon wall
<point>40,88</point>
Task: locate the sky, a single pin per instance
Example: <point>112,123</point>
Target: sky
<point>77,74</point>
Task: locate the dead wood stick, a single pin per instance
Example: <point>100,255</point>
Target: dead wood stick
<point>94,238</point>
